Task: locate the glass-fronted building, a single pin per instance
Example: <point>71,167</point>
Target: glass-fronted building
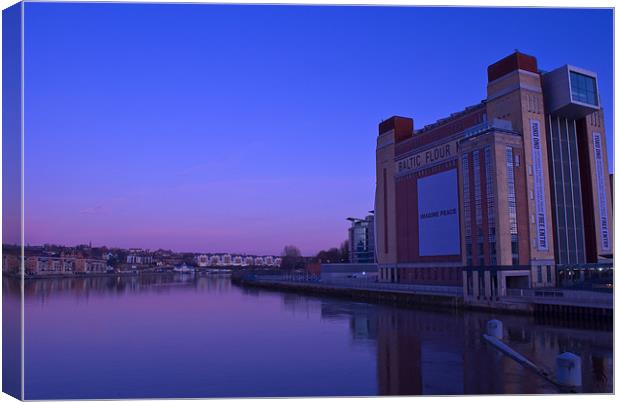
<point>573,120</point>
<point>362,240</point>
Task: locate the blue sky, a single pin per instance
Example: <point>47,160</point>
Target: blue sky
<point>245,128</point>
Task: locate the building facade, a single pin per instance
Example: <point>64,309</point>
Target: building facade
<point>46,265</point>
<point>140,259</point>
<point>202,260</point>
<point>499,195</point>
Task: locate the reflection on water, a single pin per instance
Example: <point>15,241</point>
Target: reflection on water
<point>185,336</point>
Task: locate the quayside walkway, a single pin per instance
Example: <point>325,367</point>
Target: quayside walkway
<point>369,285</point>
<point>359,288</point>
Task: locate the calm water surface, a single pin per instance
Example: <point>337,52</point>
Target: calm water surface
<point>167,336</point>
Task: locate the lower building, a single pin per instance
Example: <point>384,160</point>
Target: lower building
<point>363,271</point>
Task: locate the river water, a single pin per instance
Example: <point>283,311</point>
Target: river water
<point>184,336</point>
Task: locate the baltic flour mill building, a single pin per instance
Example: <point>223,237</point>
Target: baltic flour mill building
<point>512,192</point>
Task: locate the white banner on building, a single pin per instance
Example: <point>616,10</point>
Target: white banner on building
<point>602,195</point>
<point>539,187</point>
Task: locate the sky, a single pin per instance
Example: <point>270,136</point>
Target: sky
<point>246,128</point>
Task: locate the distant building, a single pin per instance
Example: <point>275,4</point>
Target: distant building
<point>362,240</point>
<point>277,261</point>
<point>139,259</point>
<point>45,265</point>
<point>202,260</point>
<point>10,263</point>
<point>171,260</point>
<point>249,261</point>
<point>87,265</point>
<point>258,261</point>
<point>226,259</point>
<point>314,268</point>
<point>268,260</point>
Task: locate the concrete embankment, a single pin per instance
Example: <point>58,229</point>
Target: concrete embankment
<point>443,301</point>
<point>435,297</point>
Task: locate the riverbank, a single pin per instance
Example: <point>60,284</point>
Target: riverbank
<point>536,303</point>
<point>427,299</point>
<point>114,274</point>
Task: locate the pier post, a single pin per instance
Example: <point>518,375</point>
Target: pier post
<point>568,369</point>
<point>495,328</point>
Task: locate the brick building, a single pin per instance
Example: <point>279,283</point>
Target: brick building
<point>500,194</point>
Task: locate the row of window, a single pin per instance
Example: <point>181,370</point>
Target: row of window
<point>489,200</point>
<point>482,293</point>
<point>478,206</point>
<point>489,169</point>
<point>512,205</point>
<point>409,275</point>
<point>466,209</point>
<point>566,190</point>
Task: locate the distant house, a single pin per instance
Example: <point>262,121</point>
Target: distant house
<point>202,260</point>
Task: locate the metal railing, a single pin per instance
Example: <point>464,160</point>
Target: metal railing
<point>563,296</point>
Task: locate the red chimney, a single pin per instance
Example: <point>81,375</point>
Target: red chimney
<point>402,126</point>
<point>516,61</point>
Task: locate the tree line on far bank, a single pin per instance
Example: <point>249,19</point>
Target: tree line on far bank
<point>292,258</point>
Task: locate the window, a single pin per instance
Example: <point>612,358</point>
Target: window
<point>583,88</point>
<point>467,209</point>
<point>489,170</point>
<point>478,206</point>
<point>512,206</point>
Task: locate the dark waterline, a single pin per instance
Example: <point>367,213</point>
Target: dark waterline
<point>176,337</point>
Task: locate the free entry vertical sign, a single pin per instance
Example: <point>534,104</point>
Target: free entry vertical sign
<point>602,195</point>
<point>539,187</point>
